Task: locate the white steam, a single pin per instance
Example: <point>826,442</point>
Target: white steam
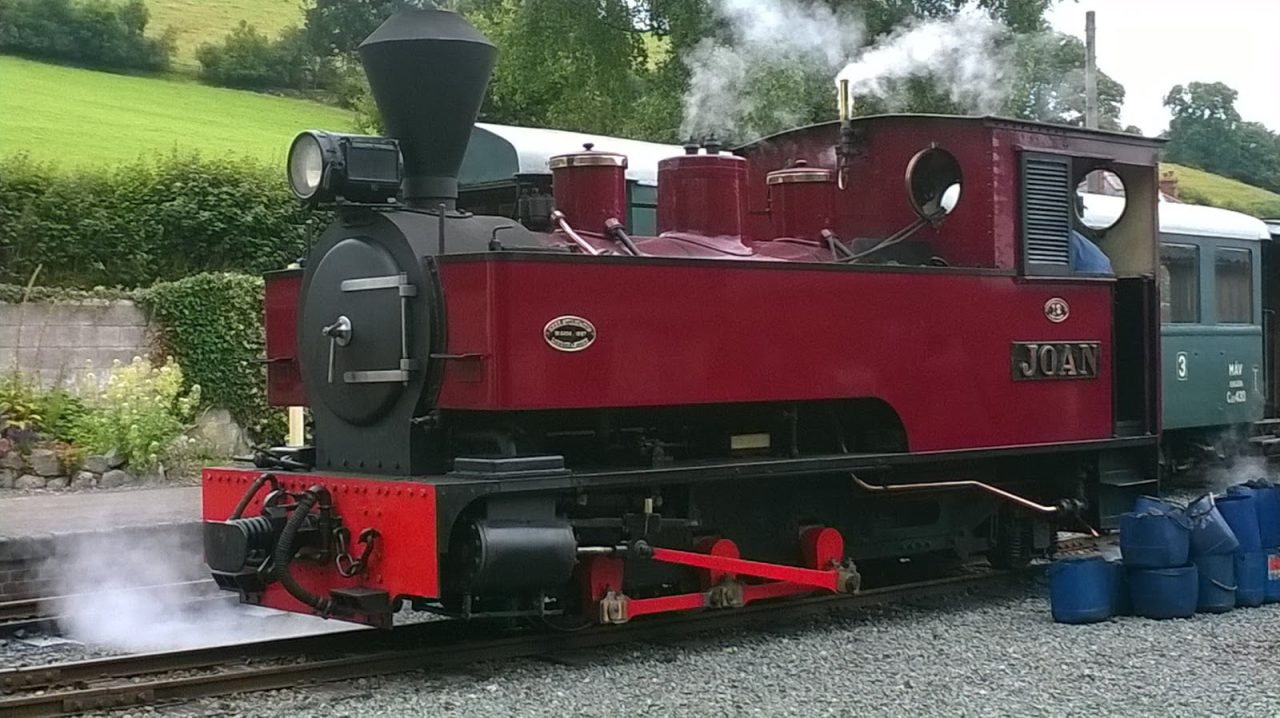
<point>101,603</point>
<point>961,53</point>
<point>736,83</point>
<point>760,35</point>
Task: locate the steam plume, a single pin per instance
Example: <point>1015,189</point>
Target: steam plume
<point>101,606</point>
<point>961,53</point>
<point>734,80</point>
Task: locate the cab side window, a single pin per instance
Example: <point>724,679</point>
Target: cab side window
<point>1233,277</point>
<point>1179,284</point>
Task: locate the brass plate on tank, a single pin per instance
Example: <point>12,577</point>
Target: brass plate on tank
<point>1055,360</point>
<point>569,333</point>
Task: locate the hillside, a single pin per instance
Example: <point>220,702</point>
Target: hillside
<point>200,21</point>
<point>1201,187</point>
<point>83,117</point>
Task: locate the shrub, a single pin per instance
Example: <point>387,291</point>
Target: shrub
<point>212,324</point>
<point>19,409</point>
<point>94,33</point>
<point>27,410</point>
<point>249,59</point>
<point>140,413</point>
<point>150,220</point>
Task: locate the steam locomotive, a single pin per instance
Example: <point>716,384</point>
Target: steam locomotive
<point>846,345</point>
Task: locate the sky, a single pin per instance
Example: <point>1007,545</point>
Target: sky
<point>1151,45</point>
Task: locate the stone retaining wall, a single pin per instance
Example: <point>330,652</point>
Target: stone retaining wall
<point>55,342</point>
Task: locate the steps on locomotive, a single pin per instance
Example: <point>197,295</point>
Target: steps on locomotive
<point>1266,436</point>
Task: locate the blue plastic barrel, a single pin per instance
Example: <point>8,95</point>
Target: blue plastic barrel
<point>1121,603</point>
<point>1240,511</point>
<point>1080,590</point>
<point>1267,499</point>
<point>1164,592</point>
<point>1217,576</point>
<point>1153,505</point>
<point>1251,578</point>
<point>1210,534</point>
<point>1155,540</point>
<point>1271,590</point>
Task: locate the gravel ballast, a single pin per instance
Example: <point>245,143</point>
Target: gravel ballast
<point>991,652</point>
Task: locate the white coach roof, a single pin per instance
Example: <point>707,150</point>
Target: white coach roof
<point>510,150</point>
<point>1180,218</point>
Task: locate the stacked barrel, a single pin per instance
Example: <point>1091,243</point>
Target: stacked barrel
<point>1216,553</point>
<point>1156,546</point>
<point>1259,559</point>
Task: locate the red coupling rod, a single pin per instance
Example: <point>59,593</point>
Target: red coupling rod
<point>831,580</point>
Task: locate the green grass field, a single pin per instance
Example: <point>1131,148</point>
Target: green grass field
<point>1201,187</point>
<point>200,21</point>
<point>82,117</point>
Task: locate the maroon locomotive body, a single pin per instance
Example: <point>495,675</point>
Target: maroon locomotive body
<point>849,344</point>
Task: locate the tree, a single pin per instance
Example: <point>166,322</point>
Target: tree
<point>337,27</point>
<point>624,66</point>
<point>1207,132</point>
<point>1048,82</point>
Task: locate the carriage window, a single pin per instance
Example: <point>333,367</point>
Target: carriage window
<point>1233,275</point>
<point>1179,284</point>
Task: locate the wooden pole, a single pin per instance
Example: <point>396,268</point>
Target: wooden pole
<point>1091,90</point>
<point>1090,73</point>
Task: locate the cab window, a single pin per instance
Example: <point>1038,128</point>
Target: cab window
<point>1179,284</point>
<point>1233,277</point>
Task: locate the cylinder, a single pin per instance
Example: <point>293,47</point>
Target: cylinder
<point>801,201</point>
<point>518,555</point>
<point>702,194</point>
<point>590,187</point>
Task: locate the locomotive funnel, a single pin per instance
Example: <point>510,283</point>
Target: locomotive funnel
<point>428,70</point>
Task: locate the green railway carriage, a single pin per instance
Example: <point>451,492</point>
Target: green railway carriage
<point>505,164</point>
<point>1213,277</point>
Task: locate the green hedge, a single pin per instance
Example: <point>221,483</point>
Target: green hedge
<point>147,221</point>
<point>212,324</point>
<point>94,33</point>
<point>249,59</point>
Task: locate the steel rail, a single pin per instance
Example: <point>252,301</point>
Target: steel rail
<point>365,653</point>
<point>40,613</point>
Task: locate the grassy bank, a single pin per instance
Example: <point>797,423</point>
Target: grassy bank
<point>200,21</point>
<point>83,117</point>
<point>1200,187</point>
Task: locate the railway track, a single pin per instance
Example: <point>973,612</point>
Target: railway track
<point>41,613</point>
<point>118,682</point>
<point>169,676</point>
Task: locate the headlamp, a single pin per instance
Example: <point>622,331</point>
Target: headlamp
<point>325,167</point>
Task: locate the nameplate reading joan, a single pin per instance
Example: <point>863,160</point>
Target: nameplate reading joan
<point>1055,360</point>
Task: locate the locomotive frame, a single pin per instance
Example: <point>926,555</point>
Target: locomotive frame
<point>553,417</point>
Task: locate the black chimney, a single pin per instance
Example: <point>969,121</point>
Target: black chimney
<point>428,70</point>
